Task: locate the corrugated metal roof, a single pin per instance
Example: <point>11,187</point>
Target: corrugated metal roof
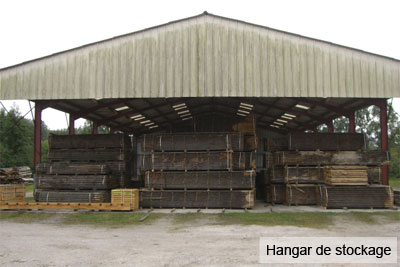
<point>204,56</point>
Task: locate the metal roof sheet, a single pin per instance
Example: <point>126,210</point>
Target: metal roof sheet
<point>204,56</point>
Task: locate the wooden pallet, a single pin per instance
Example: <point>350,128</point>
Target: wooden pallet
<point>65,206</point>
<point>125,197</point>
<point>12,192</point>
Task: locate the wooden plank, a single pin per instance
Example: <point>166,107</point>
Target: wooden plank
<point>77,182</point>
<point>295,174</point>
<point>72,168</point>
<point>89,141</point>
<point>361,197</point>
<point>198,142</point>
<point>200,180</point>
<point>229,199</point>
<point>275,144</point>
<point>275,193</point>
<point>310,158</point>
<point>94,155</point>
<point>346,175</point>
<point>301,194</point>
<point>327,141</point>
<point>64,206</point>
<point>396,194</point>
<point>72,196</point>
<point>198,161</point>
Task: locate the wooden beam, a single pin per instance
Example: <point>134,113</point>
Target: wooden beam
<point>384,138</point>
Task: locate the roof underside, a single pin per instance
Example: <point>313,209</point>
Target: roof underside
<point>143,115</point>
<point>204,56</point>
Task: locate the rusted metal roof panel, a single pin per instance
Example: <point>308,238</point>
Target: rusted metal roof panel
<point>204,56</point>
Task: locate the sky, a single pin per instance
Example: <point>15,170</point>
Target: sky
<point>32,29</point>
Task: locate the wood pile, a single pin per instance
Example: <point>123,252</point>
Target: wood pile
<point>358,197</point>
<point>396,195</point>
<point>14,175</point>
<point>229,199</point>
<point>346,175</point>
<point>301,194</point>
<point>73,196</point>
<point>12,193</point>
<point>275,193</point>
<point>125,197</point>
<point>305,162</point>
<point>83,168</point>
<point>199,170</point>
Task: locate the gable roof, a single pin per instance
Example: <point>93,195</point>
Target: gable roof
<point>204,56</point>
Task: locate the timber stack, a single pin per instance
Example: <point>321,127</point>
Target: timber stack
<point>14,175</point>
<point>334,170</point>
<point>83,168</point>
<point>199,170</point>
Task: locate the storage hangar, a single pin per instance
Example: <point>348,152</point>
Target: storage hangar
<point>206,69</point>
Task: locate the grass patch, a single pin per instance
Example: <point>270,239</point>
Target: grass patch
<point>29,188</point>
<point>395,183</point>
<point>25,217</point>
<point>109,219</point>
<point>376,217</point>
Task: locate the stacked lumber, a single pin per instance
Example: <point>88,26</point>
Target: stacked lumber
<point>14,175</point>
<point>306,161</point>
<point>360,197</point>
<point>396,194</point>
<point>230,199</point>
<point>73,196</point>
<point>125,197</point>
<point>12,193</point>
<point>275,193</point>
<point>199,170</point>
<point>346,175</point>
<point>83,168</point>
<point>301,194</point>
<point>200,180</point>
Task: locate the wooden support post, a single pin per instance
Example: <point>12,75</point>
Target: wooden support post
<point>384,138</point>
<point>71,124</point>
<point>352,123</point>
<point>330,126</point>
<point>94,127</point>
<point>37,145</point>
<point>134,158</point>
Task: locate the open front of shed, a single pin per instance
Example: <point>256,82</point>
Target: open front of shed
<point>209,112</point>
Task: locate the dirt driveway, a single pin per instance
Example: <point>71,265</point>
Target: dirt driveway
<point>159,243</point>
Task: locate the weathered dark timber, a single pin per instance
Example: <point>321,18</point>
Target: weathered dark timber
<point>72,168</point>
<point>331,158</point>
<point>236,199</point>
<point>198,142</point>
<point>360,197</point>
<point>375,175</point>
<point>301,194</point>
<point>268,160</point>
<point>73,196</point>
<point>200,180</point>
<point>295,174</point>
<point>396,194</point>
<point>198,161</point>
<point>275,193</point>
<point>327,141</point>
<point>77,182</point>
<point>89,141</point>
<point>346,175</point>
<point>113,154</point>
<point>275,144</point>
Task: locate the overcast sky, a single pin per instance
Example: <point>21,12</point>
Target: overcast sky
<point>32,29</point>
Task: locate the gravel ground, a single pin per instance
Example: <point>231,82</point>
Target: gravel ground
<point>161,243</point>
